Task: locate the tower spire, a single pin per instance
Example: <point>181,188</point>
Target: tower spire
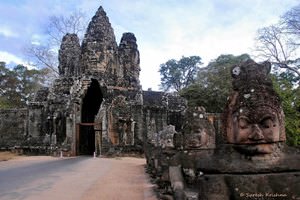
<point>99,44</point>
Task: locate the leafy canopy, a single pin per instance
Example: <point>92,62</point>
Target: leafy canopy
<point>290,97</point>
<point>176,75</point>
<point>213,84</point>
<point>18,86</point>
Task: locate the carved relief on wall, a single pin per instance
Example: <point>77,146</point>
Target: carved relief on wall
<point>120,122</point>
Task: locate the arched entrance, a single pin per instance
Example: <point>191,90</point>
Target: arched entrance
<point>90,107</point>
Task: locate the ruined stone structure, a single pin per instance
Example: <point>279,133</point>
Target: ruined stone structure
<point>247,160</point>
<point>97,103</point>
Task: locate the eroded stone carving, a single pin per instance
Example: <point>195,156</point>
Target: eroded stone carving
<point>129,59</point>
<point>198,131</point>
<point>69,56</point>
<point>254,115</point>
<point>250,157</point>
<point>99,46</point>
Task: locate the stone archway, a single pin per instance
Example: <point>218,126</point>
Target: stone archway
<point>89,109</point>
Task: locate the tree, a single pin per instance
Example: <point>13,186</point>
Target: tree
<point>290,97</point>
<point>61,25</point>
<point>291,22</point>
<point>45,55</point>
<point>213,84</point>
<point>279,43</point>
<point>8,90</point>
<point>176,75</point>
<point>18,86</point>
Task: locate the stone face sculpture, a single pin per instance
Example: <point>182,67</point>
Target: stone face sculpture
<point>99,46</point>
<point>198,132</point>
<point>69,56</point>
<point>254,118</point>
<point>248,161</point>
<point>253,159</point>
<point>129,59</point>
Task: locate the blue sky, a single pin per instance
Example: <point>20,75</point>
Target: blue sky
<point>165,29</point>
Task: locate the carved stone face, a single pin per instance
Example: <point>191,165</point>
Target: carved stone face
<point>258,128</point>
<point>259,125</point>
<point>253,119</point>
<point>197,139</point>
<point>199,132</point>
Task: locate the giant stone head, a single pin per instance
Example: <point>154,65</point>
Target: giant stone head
<point>253,117</point>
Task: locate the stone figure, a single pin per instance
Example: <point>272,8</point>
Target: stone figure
<point>253,159</point>
<point>250,161</point>
<point>198,131</point>
<point>254,116</point>
<point>69,56</point>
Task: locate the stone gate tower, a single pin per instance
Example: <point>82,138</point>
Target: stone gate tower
<point>96,102</point>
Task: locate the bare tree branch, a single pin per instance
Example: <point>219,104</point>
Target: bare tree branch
<point>275,44</point>
<point>46,54</point>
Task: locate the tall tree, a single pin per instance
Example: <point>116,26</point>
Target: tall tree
<point>59,26</point>
<point>213,84</point>
<point>18,86</point>
<point>176,75</point>
<point>291,22</point>
<point>45,54</point>
<point>8,88</point>
<point>290,97</point>
<point>279,43</point>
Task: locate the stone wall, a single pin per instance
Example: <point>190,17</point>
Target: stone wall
<point>13,127</point>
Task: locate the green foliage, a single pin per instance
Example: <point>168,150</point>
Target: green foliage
<point>213,84</point>
<point>18,86</point>
<point>176,75</point>
<point>290,97</point>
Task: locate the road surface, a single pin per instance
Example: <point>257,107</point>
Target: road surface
<point>80,178</point>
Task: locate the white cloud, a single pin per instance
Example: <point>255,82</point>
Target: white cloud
<point>10,58</point>
<point>36,39</point>
<point>204,28</point>
<point>13,60</point>
<point>165,29</point>
<point>7,32</point>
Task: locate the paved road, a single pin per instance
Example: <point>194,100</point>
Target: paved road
<point>79,178</point>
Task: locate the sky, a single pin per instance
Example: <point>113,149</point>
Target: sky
<point>165,29</point>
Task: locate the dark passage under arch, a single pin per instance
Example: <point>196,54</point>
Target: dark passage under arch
<point>90,107</point>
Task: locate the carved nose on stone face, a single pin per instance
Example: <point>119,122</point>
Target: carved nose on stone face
<point>256,133</point>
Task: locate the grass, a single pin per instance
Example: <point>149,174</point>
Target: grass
<point>7,155</point>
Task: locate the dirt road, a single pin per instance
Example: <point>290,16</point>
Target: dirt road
<point>80,178</point>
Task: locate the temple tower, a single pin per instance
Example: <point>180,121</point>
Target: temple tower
<point>99,47</point>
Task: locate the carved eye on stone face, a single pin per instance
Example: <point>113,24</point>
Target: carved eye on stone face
<point>267,122</point>
<point>244,123</point>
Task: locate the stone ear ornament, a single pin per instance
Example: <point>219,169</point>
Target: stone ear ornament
<point>235,71</point>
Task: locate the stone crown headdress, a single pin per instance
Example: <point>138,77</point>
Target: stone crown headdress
<point>254,86</point>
